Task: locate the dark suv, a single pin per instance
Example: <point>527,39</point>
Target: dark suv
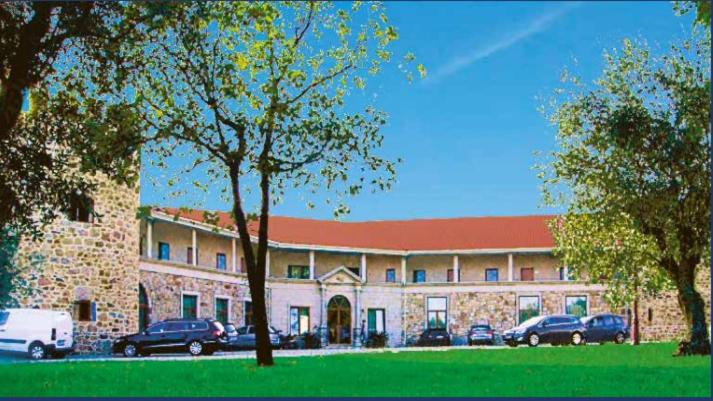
<point>195,336</point>
<point>556,329</point>
<point>606,327</point>
<point>431,337</point>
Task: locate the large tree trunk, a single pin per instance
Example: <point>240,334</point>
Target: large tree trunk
<point>256,270</point>
<point>693,307</point>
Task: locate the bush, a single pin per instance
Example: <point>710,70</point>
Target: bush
<point>311,340</point>
<point>377,340</point>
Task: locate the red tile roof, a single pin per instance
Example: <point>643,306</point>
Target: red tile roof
<point>402,235</point>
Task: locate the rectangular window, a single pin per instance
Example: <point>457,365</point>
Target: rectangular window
<point>221,310</point>
<point>419,276</point>
<point>242,264</point>
<point>355,270</point>
<point>164,251</point>
<point>299,320</point>
<point>527,274</point>
<point>437,308</point>
<point>376,320</point>
<point>249,313</point>
<point>576,305</point>
<point>301,272</point>
<point>85,311</point>
<point>491,274</point>
<point>190,306</point>
<point>189,255</point>
<point>528,307</point>
<point>449,275</point>
<point>390,275</point>
<point>220,261</point>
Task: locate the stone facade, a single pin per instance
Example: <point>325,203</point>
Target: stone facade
<point>107,261</point>
<point>95,262</point>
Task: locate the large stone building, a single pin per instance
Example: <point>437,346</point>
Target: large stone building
<point>343,280</point>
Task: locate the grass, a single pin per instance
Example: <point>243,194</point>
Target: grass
<point>607,370</point>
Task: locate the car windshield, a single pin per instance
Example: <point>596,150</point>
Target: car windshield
<point>531,321</point>
<point>272,330</point>
<point>480,327</point>
<point>230,328</point>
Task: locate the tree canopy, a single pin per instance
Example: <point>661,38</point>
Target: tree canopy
<point>254,96</point>
<point>633,170</point>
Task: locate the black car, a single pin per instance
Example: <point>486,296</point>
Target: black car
<point>606,327</point>
<point>434,337</point>
<point>556,329</point>
<point>195,336</point>
<point>481,334</point>
<point>244,337</point>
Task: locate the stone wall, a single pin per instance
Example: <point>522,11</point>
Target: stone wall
<point>165,283</point>
<point>660,318</point>
<point>96,262</point>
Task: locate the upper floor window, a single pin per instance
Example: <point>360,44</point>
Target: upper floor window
<point>80,208</point>
<point>301,272</point>
<point>242,264</point>
<point>220,261</point>
<point>189,255</point>
<point>450,275</point>
<point>419,276</point>
<point>354,270</point>
<point>527,274</point>
<point>164,251</point>
<point>491,274</point>
<point>390,275</point>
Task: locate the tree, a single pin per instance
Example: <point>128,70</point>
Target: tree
<point>64,57</point>
<point>607,249</point>
<point>253,95</point>
<point>633,153</point>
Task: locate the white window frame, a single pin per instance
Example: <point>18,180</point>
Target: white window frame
<point>198,302</point>
<point>215,306</point>
<point>517,304</point>
<point>425,323</point>
<point>564,302</point>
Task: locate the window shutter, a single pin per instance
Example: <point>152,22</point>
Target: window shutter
<point>93,312</point>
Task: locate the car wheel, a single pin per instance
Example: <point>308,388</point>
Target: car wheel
<point>130,350</point>
<point>37,351</point>
<point>195,348</point>
<point>619,338</point>
<point>533,340</point>
<point>577,338</point>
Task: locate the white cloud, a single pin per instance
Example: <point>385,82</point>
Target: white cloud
<point>536,25</point>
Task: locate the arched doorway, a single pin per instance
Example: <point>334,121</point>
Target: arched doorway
<point>144,308</point>
<point>339,320</point>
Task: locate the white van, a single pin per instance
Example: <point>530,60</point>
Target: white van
<point>37,332</point>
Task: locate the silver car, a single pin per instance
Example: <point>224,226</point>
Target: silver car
<point>244,337</point>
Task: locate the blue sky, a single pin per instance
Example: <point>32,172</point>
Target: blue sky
<point>468,132</point>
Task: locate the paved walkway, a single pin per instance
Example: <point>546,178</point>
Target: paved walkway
<point>238,355</point>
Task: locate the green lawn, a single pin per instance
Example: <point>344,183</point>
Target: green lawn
<point>607,370</point>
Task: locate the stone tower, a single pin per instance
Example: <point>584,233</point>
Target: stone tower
<point>89,268</point>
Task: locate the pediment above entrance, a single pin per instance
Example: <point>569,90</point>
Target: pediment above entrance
<point>340,275</point>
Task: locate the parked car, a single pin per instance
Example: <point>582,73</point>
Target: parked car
<point>195,336</point>
<point>556,329</point>
<point>481,334</point>
<point>434,337</point>
<point>606,327</point>
<point>244,338</point>
<point>39,333</point>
